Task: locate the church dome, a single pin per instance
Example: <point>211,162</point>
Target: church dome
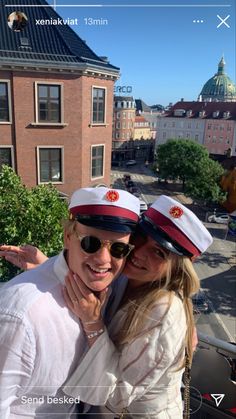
<point>219,88</point>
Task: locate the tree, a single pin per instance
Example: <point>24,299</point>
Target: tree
<point>29,216</point>
<point>189,161</point>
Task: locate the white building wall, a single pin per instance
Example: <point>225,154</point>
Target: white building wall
<point>178,128</point>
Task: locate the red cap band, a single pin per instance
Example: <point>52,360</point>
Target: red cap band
<point>104,210</point>
<point>166,225</point>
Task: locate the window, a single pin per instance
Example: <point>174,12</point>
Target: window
<point>6,156</point>
<point>124,115</point>
<point>196,137</point>
<point>50,163</point>
<point>49,103</point>
<point>97,161</point>
<point>4,101</point>
<point>118,125</point>
<point>98,105</point>
<point>117,135</point>
<point>118,115</point>
<point>209,126</point>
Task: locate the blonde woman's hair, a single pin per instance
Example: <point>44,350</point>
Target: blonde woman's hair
<point>180,279</point>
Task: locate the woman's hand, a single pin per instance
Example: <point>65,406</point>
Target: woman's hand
<point>24,257</point>
<point>82,301</point>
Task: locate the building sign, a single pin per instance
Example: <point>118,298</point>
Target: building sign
<point>123,89</point>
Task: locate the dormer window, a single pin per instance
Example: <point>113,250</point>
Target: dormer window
<point>202,114</point>
<point>226,114</point>
<point>179,112</point>
<point>216,114</point>
<point>189,112</point>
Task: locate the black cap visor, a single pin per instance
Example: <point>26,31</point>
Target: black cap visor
<point>105,222</point>
<point>161,237</point>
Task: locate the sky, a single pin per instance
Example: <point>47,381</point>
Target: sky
<point>159,49</point>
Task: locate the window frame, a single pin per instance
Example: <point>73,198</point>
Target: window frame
<point>12,154</point>
<point>48,123</point>
<point>103,167</point>
<point>104,123</point>
<point>41,147</point>
<point>8,83</point>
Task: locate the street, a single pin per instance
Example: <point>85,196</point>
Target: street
<point>216,268</point>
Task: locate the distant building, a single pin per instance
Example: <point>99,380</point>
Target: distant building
<point>56,103</point>
<point>150,114</point>
<point>123,119</point>
<point>131,137</point>
<point>141,129</point>
<point>212,124</point>
<point>219,88</point>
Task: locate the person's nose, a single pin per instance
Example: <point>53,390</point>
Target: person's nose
<point>103,255</point>
<point>140,252</point>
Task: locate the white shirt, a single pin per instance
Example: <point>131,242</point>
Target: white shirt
<point>41,344</point>
<point>141,375</point>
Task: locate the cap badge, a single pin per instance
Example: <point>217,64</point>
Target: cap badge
<point>176,212</point>
<point>112,196</point>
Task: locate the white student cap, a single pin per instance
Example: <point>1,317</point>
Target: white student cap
<point>108,209</point>
<point>175,227</point>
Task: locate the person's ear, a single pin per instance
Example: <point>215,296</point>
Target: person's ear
<point>67,239</point>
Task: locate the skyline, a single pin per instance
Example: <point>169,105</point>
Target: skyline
<point>159,49</point>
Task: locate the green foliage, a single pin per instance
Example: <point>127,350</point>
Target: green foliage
<point>189,161</point>
<point>206,186</point>
<point>29,216</point>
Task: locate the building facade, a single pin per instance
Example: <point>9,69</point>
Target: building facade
<point>132,138</point>
<point>56,104</point>
<point>212,124</point>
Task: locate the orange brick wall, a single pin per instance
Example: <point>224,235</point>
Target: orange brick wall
<point>76,138</point>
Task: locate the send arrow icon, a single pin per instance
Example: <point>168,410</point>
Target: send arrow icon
<point>218,398</point>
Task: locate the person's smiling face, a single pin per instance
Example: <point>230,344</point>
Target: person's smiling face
<point>97,270</point>
<point>148,262</point>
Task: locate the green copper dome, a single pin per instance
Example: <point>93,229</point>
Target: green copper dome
<point>219,87</point>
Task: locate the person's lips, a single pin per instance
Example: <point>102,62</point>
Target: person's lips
<point>136,263</point>
<point>98,272</point>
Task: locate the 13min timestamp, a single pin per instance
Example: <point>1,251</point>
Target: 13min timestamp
<point>95,22</point>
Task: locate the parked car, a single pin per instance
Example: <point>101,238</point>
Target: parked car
<point>200,303</point>
<point>143,205</point>
<point>219,218</point>
<point>131,163</point>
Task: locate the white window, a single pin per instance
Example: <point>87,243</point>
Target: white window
<point>5,102</point>
<point>50,164</point>
<point>6,156</point>
<point>97,160</point>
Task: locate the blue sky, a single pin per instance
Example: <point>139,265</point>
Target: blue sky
<point>162,54</point>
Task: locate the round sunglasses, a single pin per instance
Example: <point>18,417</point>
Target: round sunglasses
<point>91,244</point>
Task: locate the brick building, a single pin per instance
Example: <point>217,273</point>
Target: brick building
<point>56,103</point>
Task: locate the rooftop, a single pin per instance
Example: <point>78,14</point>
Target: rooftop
<point>203,110</point>
<point>54,45</point>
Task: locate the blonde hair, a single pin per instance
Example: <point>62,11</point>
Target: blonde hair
<point>181,279</point>
<point>69,226</point>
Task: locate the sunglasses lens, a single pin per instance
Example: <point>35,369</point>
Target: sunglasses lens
<point>119,250</point>
<point>90,244</point>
